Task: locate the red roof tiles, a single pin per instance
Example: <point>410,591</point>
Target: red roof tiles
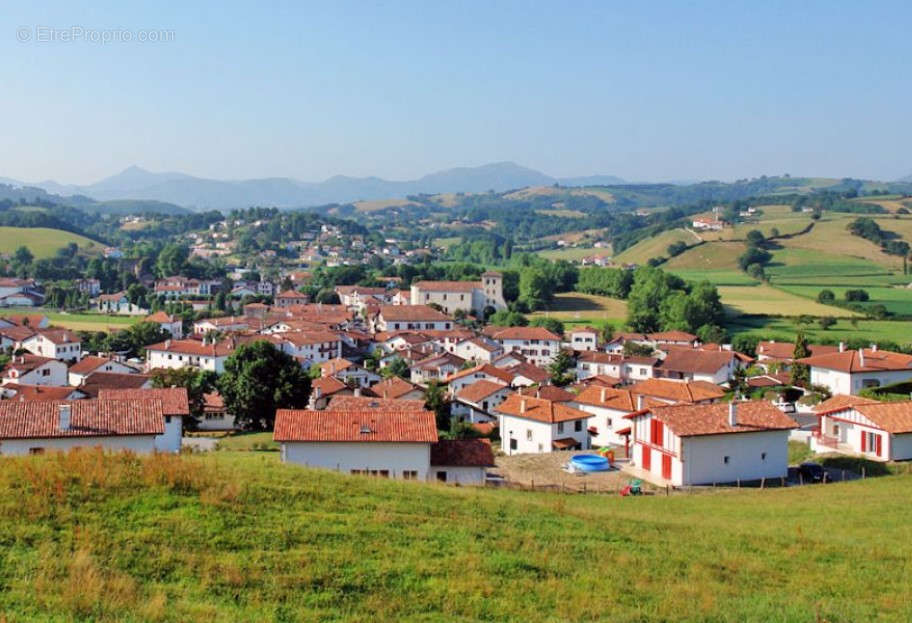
<point>174,399</point>
<point>355,426</point>
<point>88,418</point>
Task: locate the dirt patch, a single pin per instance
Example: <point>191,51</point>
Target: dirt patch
<point>545,471</point>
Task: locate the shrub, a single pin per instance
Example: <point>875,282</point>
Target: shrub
<point>826,297</point>
<point>856,295</point>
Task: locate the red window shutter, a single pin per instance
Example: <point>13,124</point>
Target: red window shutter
<point>864,441</point>
<point>659,433</point>
<point>647,458</point>
<point>666,467</point>
<point>878,439</point>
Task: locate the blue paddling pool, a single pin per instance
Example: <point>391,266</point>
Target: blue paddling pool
<point>590,463</point>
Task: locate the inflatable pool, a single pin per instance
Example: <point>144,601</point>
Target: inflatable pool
<point>590,463</point>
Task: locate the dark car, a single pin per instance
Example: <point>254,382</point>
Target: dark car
<point>811,472</point>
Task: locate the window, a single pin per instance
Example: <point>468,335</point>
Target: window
<point>512,444</point>
<point>608,422</point>
<point>528,434</point>
<point>36,450</point>
<point>383,473</point>
<point>578,425</point>
<point>356,472</point>
<point>409,474</point>
<point>763,456</point>
<point>167,419</point>
<point>442,476</point>
<point>560,427</point>
<point>725,459</point>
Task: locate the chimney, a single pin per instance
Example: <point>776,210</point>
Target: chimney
<point>874,348</point>
<point>64,412</point>
<point>358,391</point>
<point>603,394</point>
<point>841,347</point>
<point>639,402</point>
<point>318,392</point>
<point>732,413</point>
<point>522,405</point>
<point>168,343</point>
<point>861,357</point>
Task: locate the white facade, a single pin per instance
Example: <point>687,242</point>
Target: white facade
<point>582,340</point>
<point>397,459</point>
<point>170,441</point>
<point>140,444</point>
<point>471,350</point>
<point>851,431</point>
<point>852,383</point>
<point>465,476</point>
<point>76,378</point>
<point>174,360</point>
<point>537,352</point>
<point>525,436</point>
<point>40,345</point>
<point>606,423</point>
<point>48,373</point>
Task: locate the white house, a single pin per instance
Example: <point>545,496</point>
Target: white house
<point>672,392</point>
<point>388,444</point>
<point>537,425</point>
<point>310,347</point>
<point>182,353</point>
<point>437,367</point>
<point>583,339</point>
<point>475,403</point>
<point>850,371</point>
<point>687,364</point>
<point>478,349</point>
<point>881,431</point>
<point>35,370</point>
<point>538,345</point>
<point>61,344</point>
<point>608,406</point>
<point>168,322</point>
<point>395,388</point>
<point>36,427</point>
<point>462,379</point>
<point>715,443</point>
<point>349,372</point>
<point>118,303</point>
<point>78,372</point>
<point>19,293</point>
<point>414,317</point>
<point>174,408</point>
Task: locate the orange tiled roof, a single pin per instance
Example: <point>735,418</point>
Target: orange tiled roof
<point>40,419</point>
<point>355,426</point>
<point>692,420</point>
<point>539,409</point>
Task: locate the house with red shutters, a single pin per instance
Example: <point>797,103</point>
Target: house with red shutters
<point>880,431</point>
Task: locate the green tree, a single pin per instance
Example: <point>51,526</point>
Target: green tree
<point>397,367</point>
<point>801,372</point>
<point>172,260</point>
<point>435,399</point>
<point>23,256</point>
<point>826,322</point>
<point>196,382</point>
<point>560,369</point>
<point>826,297</point>
<point>259,379</point>
<point>755,238</point>
<point>551,324</point>
<point>650,288</point>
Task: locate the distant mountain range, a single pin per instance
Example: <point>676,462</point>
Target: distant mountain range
<point>202,194</point>
<point>907,179</point>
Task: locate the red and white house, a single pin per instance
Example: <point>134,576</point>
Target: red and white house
<point>711,443</point>
<point>538,345</point>
<point>882,431</point>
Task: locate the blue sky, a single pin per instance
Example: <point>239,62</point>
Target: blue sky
<point>645,91</point>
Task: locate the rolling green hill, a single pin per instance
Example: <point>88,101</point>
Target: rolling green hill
<point>240,537</point>
<point>43,242</point>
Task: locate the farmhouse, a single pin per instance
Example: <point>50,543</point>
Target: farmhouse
<point>289,298</point>
<point>182,353</point>
<point>538,345</point>
<point>608,406</point>
<point>414,317</point>
<point>61,344</point>
<point>583,339</point>
<point>389,444</point>
<point>35,427</point>
<point>687,364</point>
<point>718,443</point>
<point>175,407</point>
<point>475,403</point>
<point>881,431</point>
<point>168,322</point>
<point>536,425</point>
<point>34,370</point>
<point>78,372</point>
<point>705,223</point>
<point>850,371</point>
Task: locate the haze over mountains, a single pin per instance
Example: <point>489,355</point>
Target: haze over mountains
<point>200,193</point>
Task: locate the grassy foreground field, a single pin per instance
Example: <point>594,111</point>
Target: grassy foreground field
<point>240,537</point>
<point>43,242</point>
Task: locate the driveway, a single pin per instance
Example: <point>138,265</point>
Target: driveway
<point>199,444</point>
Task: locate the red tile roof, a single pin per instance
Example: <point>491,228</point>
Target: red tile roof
<point>88,364</point>
<point>26,363</point>
<point>97,381</point>
<point>371,403</point>
<point>412,313</point>
<point>479,390</point>
<point>485,368</point>
<point>893,417</point>
<point>60,336</point>
<point>448,286</point>
<point>548,392</point>
<point>696,361</point>
<point>355,426</point>
<point>161,318</point>
<point>862,360</point>
<point>89,418</point>
<point>327,386</point>
<point>194,347</point>
<point>783,351</point>
<point>678,391</point>
<point>40,392</point>
<point>174,399</point>
<point>462,453</point>
<point>533,373</point>
<point>526,333</point>
<point>539,409</point>
<point>393,387</point>
<point>840,402</point>
<point>712,419</point>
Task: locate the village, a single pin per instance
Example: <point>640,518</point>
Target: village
<point>660,408</point>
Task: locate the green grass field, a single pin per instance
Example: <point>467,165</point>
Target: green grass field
<point>764,299</point>
<point>574,254</point>
<point>784,329</point>
<point>241,537</point>
<point>582,308</point>
<point>896,300</point>
<point>656,246</point>
<point>248,442</point>
<point>43,242</point>
<point>78,322</point>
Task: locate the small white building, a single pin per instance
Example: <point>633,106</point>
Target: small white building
<point>693,444</point>
<point>466,296</point>
<point>609,406</point>
<point>34,370</point>
<point>411,317</point>
<point>583,339</point>
<point>850,371</point>
<point>61,344</point>
<point>463,378</point>
<point>79,372</point>
<point>461,461</point>
<point>711,366</point>
<point>388,444</point>
<point>478,349</point>
<point>536,425</point>
<point>40,426</point>
<point>174,408</point>
<point>176,354</point>
<point>538,345</point>
<point>168,322</point>
<point>476,402</point>
<point>349,372</point>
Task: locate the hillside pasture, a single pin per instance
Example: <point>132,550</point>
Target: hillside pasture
<point>573,254</point>
<point>712,256</point>
<point>381,204</point>
<point>802,263</point>
<point>765,299</point>
<point>655,246</point>
<point>78,321</point>
<point>238,536</point>
<point>44,242</point>
<point>897,300</point>
<point>785,329</point>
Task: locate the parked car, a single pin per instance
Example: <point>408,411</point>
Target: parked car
<point>811,472</point>
<point>785,407</point>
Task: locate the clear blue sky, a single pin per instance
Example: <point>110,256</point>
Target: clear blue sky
<point>643,90</point>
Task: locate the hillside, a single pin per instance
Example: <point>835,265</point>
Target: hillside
<point>43,242</point>
<point>238,536</point>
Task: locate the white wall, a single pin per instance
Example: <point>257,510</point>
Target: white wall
<point>520,429</point>
<point>901,446</point>
<point>844,383</point>
<point>459,475</point>
<point>346,456</point>
<point>170,441</point>
<point>607,434</point>
<point>703,457</point>
<point>141,444</point>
